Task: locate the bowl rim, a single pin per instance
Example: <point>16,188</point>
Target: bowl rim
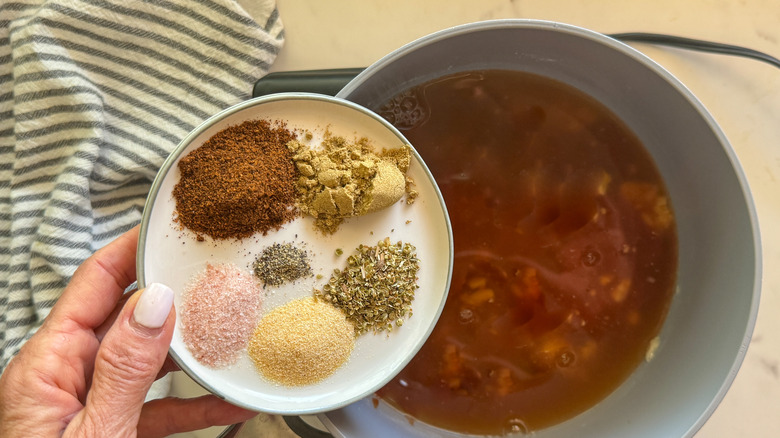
<point>627,50</point>
<point>216,118</point>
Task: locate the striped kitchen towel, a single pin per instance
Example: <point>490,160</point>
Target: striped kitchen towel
<point>94,94</point>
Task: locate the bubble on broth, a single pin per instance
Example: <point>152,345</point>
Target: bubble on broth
<point>517,427</point>
<point>405,111</point>
<point>466,316</point>
<point>591,257</point>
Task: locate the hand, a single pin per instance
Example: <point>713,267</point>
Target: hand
<point>87,370</point>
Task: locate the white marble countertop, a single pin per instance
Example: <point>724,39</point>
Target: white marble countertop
<point>742,95</point>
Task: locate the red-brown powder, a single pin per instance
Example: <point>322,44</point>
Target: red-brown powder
<point>240,182</point>
<point>220,310</point>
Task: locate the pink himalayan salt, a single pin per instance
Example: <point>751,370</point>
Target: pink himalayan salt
<point>221,307</point>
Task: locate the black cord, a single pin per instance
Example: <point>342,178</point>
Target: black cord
<point>692,44</point>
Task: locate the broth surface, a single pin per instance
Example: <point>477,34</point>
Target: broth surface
<point>565,252</point>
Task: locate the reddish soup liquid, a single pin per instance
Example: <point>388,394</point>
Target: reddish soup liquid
<point>565,252</point>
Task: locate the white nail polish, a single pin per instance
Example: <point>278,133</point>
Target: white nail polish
<point>153,307</point>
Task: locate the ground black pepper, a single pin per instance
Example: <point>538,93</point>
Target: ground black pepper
<point>240,182</point>
<point>281,263</point>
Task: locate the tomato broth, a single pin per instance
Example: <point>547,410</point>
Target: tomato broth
<point>565,252</point>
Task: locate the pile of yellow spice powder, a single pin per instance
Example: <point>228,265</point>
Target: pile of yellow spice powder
<point>301,342</point>
<point>344,179</point>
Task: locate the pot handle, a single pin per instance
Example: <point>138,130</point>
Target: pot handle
<point>331,81</point>
<point>328,81</point>
<point>304,429</point>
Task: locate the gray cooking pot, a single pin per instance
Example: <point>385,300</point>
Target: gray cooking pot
<point>708,328</point>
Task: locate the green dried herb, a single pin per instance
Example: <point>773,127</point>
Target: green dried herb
<point>376,288</point>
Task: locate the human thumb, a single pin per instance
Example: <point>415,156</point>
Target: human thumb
<point>128,361</point>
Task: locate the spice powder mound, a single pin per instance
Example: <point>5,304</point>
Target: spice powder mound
<point>301,342</point>
<point>220,309</point>
<point>239,182</point>
<point>348,178</point>
<point>280,263</point>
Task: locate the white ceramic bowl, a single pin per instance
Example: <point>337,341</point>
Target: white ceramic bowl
<point>708,328</point>
<point>170,255</point>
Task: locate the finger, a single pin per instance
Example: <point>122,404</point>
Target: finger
<point>127,363</point>
<point>168,366</point>
<point>166,416</point>
<point>98,283</point>
<point>88,355</point>
<point>101,330</point>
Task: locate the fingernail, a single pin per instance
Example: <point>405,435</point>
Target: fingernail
<point>153,307</point>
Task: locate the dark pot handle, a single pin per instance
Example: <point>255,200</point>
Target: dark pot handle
<point>331,81</point>
<point>328,82</point>
<point>303,429</point>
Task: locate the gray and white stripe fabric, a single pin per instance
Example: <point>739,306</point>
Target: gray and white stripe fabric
<point>94,94</point>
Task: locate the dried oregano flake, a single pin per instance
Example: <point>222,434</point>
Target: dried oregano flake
<point>376,288</point>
